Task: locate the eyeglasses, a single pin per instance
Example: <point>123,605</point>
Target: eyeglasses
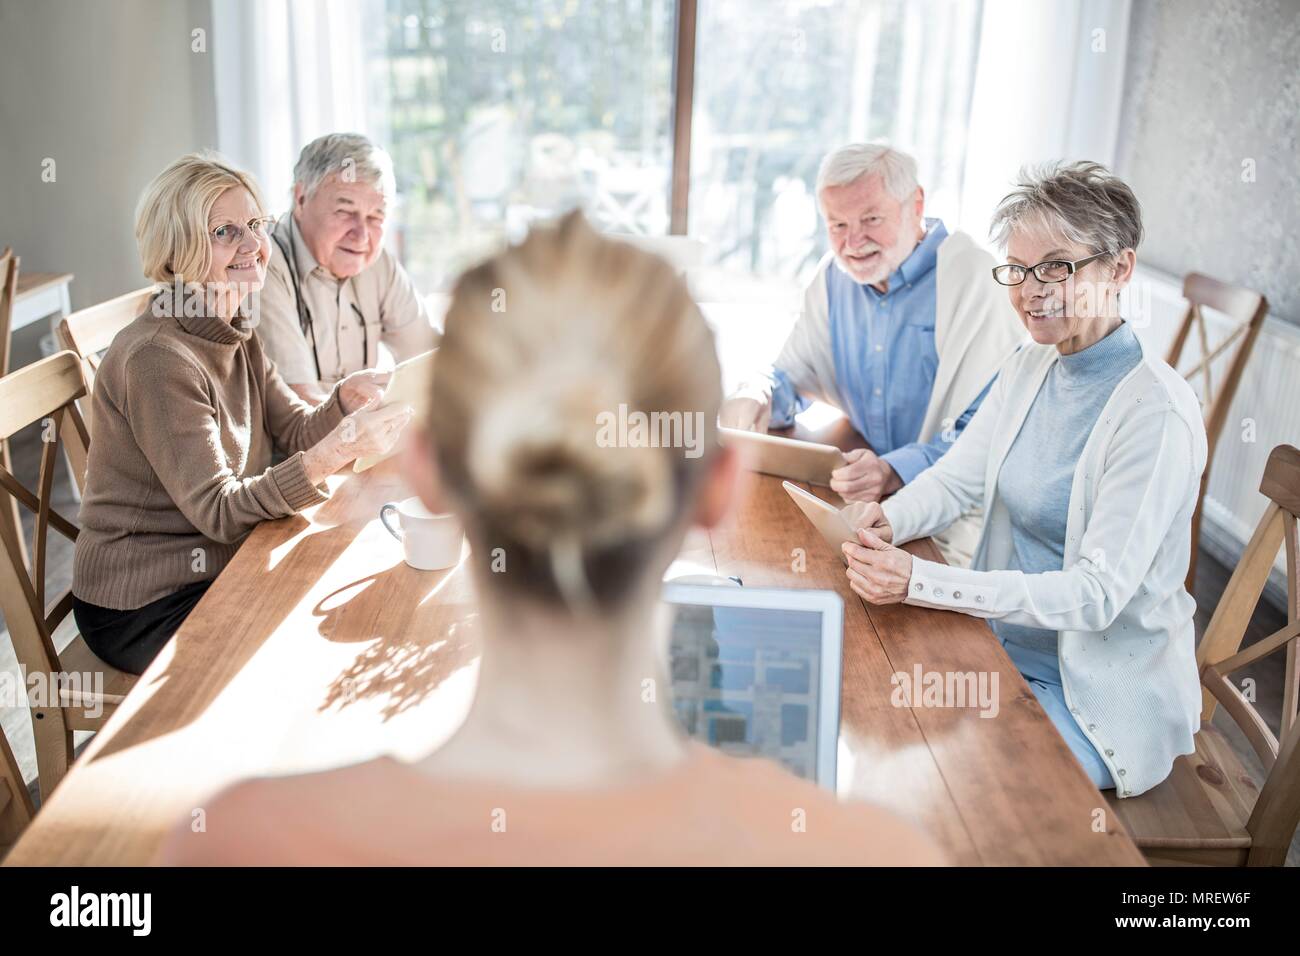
<point>232,235</point>
<point>1050,270</point>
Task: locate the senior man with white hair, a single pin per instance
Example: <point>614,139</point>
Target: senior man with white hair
<point>901,329</point>
<point>333,293</point>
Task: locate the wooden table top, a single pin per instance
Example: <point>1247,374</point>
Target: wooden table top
<point>309,651</point>
<point>30,283</point>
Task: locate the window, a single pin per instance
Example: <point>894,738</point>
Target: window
<point>500,112</point>
<point>774,93</point>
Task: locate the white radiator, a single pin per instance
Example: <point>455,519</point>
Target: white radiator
<point>1265,412</point>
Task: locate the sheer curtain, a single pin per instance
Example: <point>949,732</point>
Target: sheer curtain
<point>287,71</point>
<point>1048,85</point>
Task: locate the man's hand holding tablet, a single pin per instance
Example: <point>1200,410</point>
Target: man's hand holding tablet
<point>865,476</point>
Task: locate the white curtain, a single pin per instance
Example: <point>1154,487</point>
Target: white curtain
<point>287,71</point>
<point>1048,85</point>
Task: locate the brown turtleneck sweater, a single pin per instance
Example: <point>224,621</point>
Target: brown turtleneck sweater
<point>186,412</point>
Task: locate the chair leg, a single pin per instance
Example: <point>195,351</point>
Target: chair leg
<point>53,748</point>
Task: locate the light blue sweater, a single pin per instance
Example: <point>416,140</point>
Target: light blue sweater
<point>1036,475</point>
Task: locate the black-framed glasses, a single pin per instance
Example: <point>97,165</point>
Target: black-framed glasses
<point>232,235</point>
<point>1049,270</point>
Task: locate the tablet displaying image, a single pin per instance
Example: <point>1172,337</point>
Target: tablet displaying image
<point>756,672</point>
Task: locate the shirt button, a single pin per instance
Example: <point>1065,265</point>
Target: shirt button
<point>877,393</point>
<point>979,599</point>
<point>1110,753</point>
<point>918,586</point>
<point>938,592</point>
<point>880,348</point>
<point>956,594</point>
<point>1092,726</point>
<point>1122,771</point>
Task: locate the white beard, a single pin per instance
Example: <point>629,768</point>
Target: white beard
<point>890,260</point>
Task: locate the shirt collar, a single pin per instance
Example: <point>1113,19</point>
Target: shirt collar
<point>287,229</point>
<point>922,259</point>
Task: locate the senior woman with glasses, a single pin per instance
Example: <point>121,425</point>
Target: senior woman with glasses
<point>187,409</point>
<point>1086,457</point>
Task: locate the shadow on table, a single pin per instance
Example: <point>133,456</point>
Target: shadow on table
<point>204,643</point>
<point>405,667</point>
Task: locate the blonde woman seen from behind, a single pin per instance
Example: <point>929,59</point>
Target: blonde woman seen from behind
<point>559,736</point>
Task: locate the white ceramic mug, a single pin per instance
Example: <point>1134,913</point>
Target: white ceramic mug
<point>430,541</point>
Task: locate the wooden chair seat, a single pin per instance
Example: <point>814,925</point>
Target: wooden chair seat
<point>78,658</point>
<point>1203,806</point>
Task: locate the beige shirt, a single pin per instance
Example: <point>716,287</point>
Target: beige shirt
<point>710,810</point>
<point>349,317</point>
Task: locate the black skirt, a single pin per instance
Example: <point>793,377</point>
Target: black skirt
<point>130,640</point>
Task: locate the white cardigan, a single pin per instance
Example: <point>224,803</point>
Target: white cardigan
<point>1126,643</point>
<point>975,329</point>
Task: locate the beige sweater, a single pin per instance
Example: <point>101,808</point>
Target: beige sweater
<point>185,414</point>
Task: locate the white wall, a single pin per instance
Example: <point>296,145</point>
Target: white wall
<point>109,90</point>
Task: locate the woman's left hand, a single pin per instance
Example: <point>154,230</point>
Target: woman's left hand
<point>359,388</point>
<point>878,572</point>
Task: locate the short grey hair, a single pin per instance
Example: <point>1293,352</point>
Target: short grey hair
<point>344,153</point>
<point>850,163</point>
<point>1083,202</point>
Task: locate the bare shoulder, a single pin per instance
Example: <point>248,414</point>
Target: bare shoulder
<point>808,824</point>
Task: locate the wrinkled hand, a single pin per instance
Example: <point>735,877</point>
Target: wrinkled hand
<point>878,572</point>
<point>864,477</point>
<point>869,515</point>
<point>362,388</point>
<point>370,430</point>
<point>748,414</point>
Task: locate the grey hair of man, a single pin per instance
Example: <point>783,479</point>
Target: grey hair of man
<point>850,163</point>
<point>351,156</point>
<point>1082,202</point>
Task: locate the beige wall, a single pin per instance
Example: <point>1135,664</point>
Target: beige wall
<point>110,90</point>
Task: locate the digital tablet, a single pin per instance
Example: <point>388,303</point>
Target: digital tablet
<point>826,518</point>
<point>409,385</point>
<point>785,457</point>
<point>756,672</point>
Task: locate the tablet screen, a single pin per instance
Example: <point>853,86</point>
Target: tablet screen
<point>747,680</point>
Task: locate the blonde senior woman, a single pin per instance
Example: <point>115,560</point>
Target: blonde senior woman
<point>187,410</point>
<point>1086,457</point>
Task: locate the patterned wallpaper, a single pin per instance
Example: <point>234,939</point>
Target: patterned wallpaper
<point>1210,141</point>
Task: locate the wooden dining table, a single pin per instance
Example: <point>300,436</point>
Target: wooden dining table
<point>318,646</point>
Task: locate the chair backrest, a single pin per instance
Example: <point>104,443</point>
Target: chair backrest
<point>1277,811</point>
<point>8,289</point>
<point>90,331</point>
<point>1246,309</point>
<point>16,809</point>
<point>45,392</point>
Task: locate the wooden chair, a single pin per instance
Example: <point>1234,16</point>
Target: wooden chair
<point>47,391</point>
<point>16,809</point>
<point>8,290</point>
<point>88,333</point>
<point>1210,810</point>
<point>1247,309</point>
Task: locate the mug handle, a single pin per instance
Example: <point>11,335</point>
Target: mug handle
<point>383,518</point>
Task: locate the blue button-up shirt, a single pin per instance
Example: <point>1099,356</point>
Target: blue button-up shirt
<point>885,360</point>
